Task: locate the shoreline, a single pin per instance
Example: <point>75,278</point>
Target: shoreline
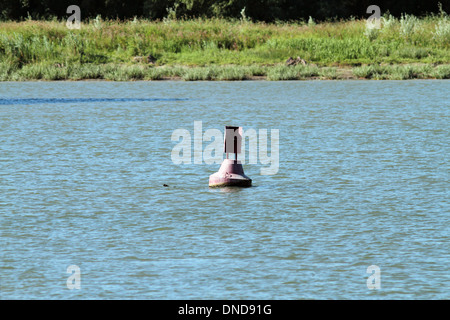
<point>279,72</point>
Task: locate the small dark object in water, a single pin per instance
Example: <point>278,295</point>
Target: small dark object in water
<point>165,185</point>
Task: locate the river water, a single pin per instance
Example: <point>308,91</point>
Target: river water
<point>87,179</point>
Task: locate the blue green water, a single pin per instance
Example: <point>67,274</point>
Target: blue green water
<point>363,180</point>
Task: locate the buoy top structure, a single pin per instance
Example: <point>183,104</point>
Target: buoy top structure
<point>231,172</point>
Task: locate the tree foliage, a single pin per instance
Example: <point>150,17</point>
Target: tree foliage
<point>257,10</point>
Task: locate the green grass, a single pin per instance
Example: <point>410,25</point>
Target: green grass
<point>116,72</point>
<point>402,72</point>
<point>219,49</point>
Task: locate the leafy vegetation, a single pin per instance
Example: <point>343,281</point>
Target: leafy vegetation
<point>223,49</point>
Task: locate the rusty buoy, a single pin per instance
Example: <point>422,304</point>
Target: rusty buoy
<point>231,172</point>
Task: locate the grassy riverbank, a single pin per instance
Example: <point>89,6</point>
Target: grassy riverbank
<point>218,49</point>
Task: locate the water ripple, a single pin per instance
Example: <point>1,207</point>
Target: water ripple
<point>16,101</point>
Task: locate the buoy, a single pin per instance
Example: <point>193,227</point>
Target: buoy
<point>231,172</point>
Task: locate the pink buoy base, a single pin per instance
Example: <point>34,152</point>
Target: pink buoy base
<point>231,173</point>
